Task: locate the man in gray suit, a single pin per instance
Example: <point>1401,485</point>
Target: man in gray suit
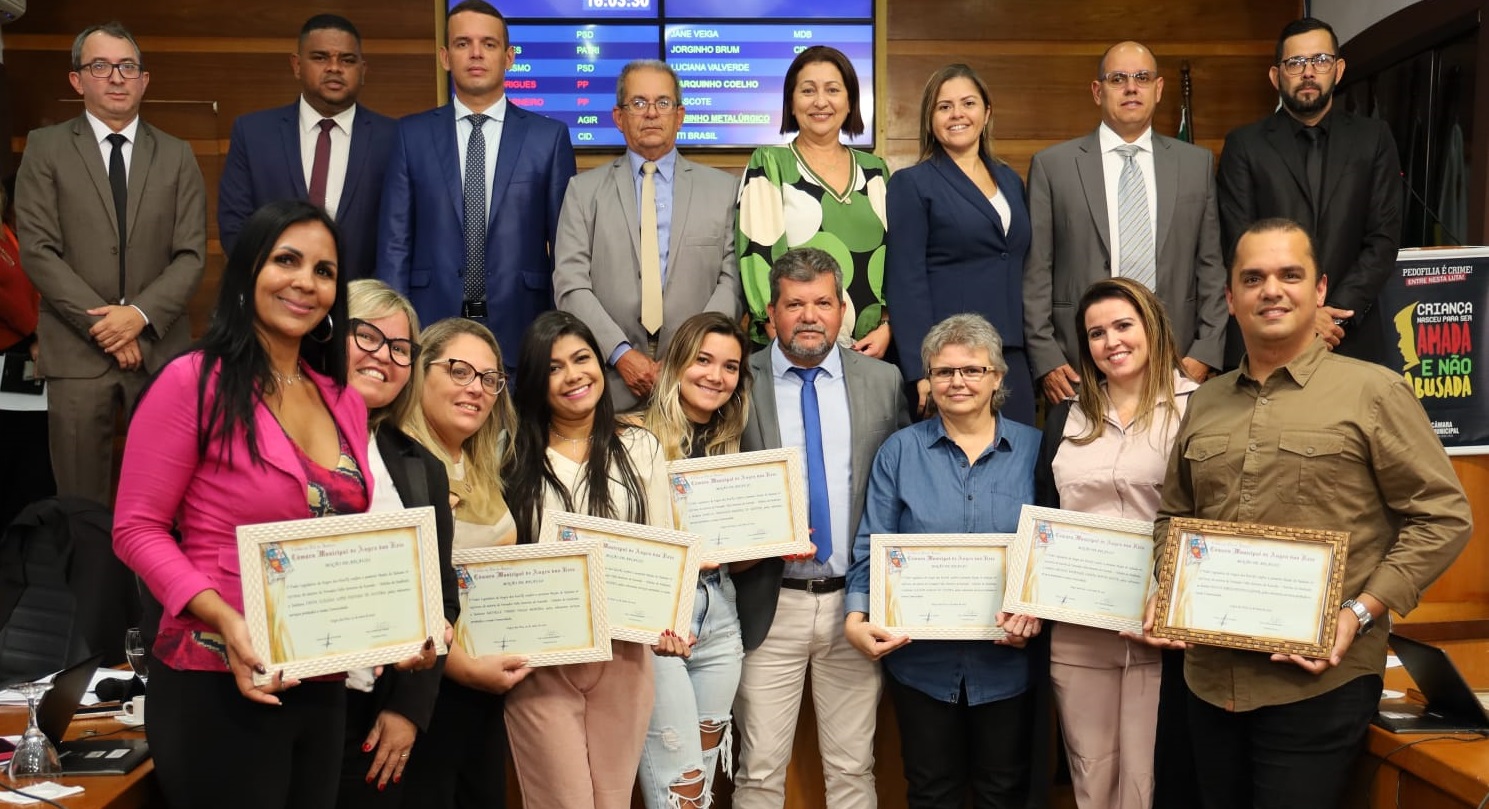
<point>1125,201</point>
<point>838,406</point>
<point>609,249</point>
<point>113,307</point>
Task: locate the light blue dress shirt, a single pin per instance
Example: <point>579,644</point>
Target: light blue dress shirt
<point>832,399</point>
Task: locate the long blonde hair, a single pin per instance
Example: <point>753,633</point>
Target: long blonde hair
<point>483,453</point>
<point>665,418</point>
<point>1163,357</point>
<point>370,299</point>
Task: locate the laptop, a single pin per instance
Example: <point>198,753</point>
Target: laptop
<point>1452,707</point>
<point>84,756</point>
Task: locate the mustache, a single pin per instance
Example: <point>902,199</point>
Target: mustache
<point>809,328</point>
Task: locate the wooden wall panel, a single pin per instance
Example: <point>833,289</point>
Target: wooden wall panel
<point>1105,21</point>
<point>213,19</point>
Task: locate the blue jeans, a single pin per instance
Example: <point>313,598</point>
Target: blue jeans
<point>693,694</point>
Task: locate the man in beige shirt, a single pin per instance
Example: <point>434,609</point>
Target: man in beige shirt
<point>1299,436</point>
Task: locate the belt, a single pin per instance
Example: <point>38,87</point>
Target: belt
<point>475,310</point>
<point>829,584</point>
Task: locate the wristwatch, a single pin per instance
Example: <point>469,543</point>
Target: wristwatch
<point>1361,613</point>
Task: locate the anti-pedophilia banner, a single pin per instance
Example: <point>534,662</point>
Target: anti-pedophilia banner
<point>1435,306</point>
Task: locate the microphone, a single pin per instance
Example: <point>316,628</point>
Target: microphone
<point>1428,208</point>
<point>119,690</point>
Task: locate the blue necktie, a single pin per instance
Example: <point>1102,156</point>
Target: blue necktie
<point>819,508</point>
<point>475,211</point>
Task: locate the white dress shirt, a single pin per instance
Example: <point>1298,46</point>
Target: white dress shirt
<point>491,131</point>
<point>1111,169</point>
<point>101,132</point>
<point>341,149</point>
<point>837,452</point>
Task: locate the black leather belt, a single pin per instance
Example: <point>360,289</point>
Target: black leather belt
<point>475,310</point>
<point>830,584</point>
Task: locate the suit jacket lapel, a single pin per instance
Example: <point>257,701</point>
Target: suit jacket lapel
<point>404,467</point>
<point>139,171</point>
<point>274,446</point>
<point>289,130</point>
<point>356,158</point>
<point>964,186</point>
<point>682,194</point>
<point>1166,180</point>
<point>763,405</point>
<point>625,194</point>
<point>1093,182</point>
<point>1282,139</point>
<point>92,159</point>
<point>447,157</point>
<point>1337,149</point>
<point>514,133</point>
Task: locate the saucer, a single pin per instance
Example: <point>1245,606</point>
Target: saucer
<point>130,721</point>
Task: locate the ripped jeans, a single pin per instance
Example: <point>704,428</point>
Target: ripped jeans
<point>693,695</point>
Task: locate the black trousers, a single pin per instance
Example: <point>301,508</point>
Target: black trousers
<point>951,748</point>
<point>213,747</point>
<point>1282,756</point>
<point>461,761</point>
<point>361,712</point>
<point>1174,786</point>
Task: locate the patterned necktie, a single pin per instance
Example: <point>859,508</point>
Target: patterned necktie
<point>651,252</point>
<point>818,506</point>
<point>475,211</point>
<point>1134,228</point>
<point>119,185</point>
<point>320,167</point>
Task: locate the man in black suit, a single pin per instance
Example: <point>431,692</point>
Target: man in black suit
<point>1336,173</point>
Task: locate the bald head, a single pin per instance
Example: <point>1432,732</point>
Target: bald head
<point>1127,89</point>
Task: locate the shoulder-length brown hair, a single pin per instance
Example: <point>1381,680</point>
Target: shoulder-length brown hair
<point>853,124</point>
<point>928,143</point>
<point>1163,357</point>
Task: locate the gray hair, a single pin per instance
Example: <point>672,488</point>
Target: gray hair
<point>971,331</point>
<point>114,29</point>
<point>646,64</point>
<point>803,265</point>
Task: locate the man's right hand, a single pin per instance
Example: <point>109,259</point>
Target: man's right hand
<point>1060,383</point>
<point>874,641</point>
<point>638,371</point>
<point>128,355</point>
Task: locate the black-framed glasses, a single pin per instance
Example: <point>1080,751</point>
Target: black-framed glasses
<point>464,373</point>
<point>639,106</point>
<point>101,70</point>
<point>1116,79</point>
<point>970,373</point>
<point>1322,62</point>
<point>371,339</point>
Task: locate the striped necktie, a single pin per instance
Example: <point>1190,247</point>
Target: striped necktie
<point>1134,228</point>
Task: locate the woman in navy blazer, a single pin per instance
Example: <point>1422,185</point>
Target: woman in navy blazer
<point>958,232</point>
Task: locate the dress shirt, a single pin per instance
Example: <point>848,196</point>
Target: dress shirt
<point>101,132</point>
<point>999,201</point>
<point>341,144</point>
<point>1111,170</point>
<point>921,483</point>
<point>832,399</point>
<point>1326,442</point>
<point>491,131</point>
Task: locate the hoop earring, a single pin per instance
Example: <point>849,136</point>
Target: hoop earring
<point>330,331</point>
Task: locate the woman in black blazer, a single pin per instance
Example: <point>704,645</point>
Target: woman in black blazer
<point>958,232</point>
<point>384,715</point>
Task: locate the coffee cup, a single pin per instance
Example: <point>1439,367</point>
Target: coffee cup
<point>134,711</point>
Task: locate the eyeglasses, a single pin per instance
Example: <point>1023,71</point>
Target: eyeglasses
<point>1117,79</point>
<point>970,373</point>
<point>102,70</point>
<point>1322,62</point>
<point>639,106</point>
<point>464,373</point>
<point>371,339</point>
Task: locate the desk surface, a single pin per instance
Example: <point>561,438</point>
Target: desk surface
<point>133,791</point>
<point>1457,766</point>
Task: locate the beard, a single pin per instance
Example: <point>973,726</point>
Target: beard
<point>794,347</point>
<point>1303,109</point>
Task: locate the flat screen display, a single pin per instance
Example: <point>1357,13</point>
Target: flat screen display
<point>731,56</point>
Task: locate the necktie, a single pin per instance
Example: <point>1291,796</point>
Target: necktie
<point>1313,166</point>
<point>1134,228</point>
<point>321,165</point>
<point>475,211</point>
<point>819,508</point>
<point>119,185</point>
<point>651,252</point>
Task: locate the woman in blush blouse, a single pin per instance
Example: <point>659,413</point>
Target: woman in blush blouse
<point>960,226</point>
<point>817,192</point>
<point>698,408</point>
<point>255,424</point>
<point>1106,452</point>
<point>965,708</point>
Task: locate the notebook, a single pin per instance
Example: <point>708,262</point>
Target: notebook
<point>84,756</point>
<point>1452,707</point>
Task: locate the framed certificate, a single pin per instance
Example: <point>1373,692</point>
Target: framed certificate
<point>651,574</point>
<point>1080,568</point>
<point>329,594</point>
<point>545,602</point>
<point>1266,588</point>
<point>937,586</point>
<point>749,505</point>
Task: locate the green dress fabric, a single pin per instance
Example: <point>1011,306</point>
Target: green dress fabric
<point>782,205</point>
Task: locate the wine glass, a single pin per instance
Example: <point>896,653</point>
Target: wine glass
<point>34,757</point>
<point>134,649</point>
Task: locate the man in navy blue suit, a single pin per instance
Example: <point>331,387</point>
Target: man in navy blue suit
<point>473,191</point>
<point>324,147</point>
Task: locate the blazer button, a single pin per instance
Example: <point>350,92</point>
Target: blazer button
<point>1005,255</point>
<point>114,250</point>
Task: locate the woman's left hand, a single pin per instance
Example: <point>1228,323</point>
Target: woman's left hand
<point>875,343</point>
<point>670,644</point>
<point>1020,629</point>
<point>391,739</point>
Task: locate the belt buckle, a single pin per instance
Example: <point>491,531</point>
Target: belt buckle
<point>813,584</point>
<point>473,310</point>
